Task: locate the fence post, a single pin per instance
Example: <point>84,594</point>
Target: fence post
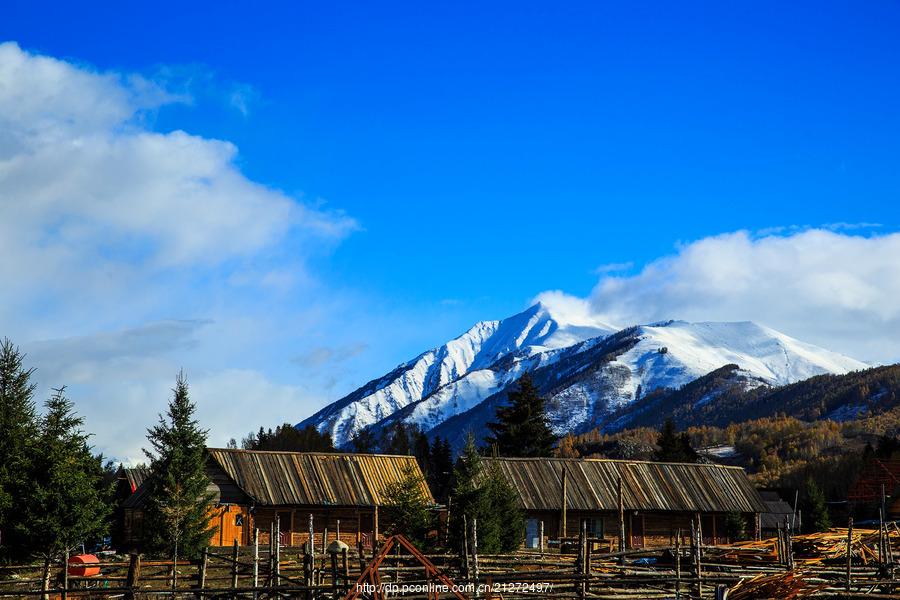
<point>133,578</point>
<point>849,553</point>
<point>255,561</point>
<point>345,566</point>
<point>621,521</point>
<point>465,549</point>
<point>541,534</point>
<point>564,501</point>
<point>277,551</point>
<point>201,575</point>
<point>579,564</point>
<point>475,553</point>
<point>678,564</point>
<point>334,575</point>
<point>234,565</point>
<point>65,575</point>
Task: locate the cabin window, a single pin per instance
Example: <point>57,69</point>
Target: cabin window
<point>594,527</point>
<point>238,520</point>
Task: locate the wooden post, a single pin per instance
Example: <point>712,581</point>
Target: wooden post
<point>475,553</point>
<point>134,574</point>
<point>334,576</point>
<point>579,564</point>
<point>45,579</point>
<point>345,570</point>
<point>234,565</point>
<point>564,503</point>
<point>587,565</point>
<point>541,543</point>
<point>201,575</point>
<point>255,561</point>
<point>465,548</point>
<point>325,539</point>
<point>375,532</point>
<point>65,575</point>
<point>678,565</point>
<point>271,559</point>
<point>849,553</point>
<point>277,563</point>
<point>621,502</point>
<point>695,555</point>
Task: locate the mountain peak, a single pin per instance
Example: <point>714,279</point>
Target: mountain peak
<point>585,367</point>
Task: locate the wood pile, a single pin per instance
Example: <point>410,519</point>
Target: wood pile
<point>784,586</point>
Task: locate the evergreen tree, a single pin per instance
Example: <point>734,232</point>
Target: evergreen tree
<point>672,446</point>
<point>18,431</point>
<point>408,509</point>
<point>735,526</point>
<point>288,438</point>
<point>521,427</point>
<point>363,442</point>
<point>176,515</point>
<point>482,493</point>
<point>441,469</point>
<point>65,504</point>
<point>421,449</point>
<point>395,440</point>
<point>817,519</point>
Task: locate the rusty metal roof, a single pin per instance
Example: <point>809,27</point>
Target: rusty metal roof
<point>314,478</point>
<point>591,484</point>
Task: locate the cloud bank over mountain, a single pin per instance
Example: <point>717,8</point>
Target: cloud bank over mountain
<point>834,289</point>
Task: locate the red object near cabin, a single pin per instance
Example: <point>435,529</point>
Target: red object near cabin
<point>84,565</point>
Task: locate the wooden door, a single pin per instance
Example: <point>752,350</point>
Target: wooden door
<point>637,531</point>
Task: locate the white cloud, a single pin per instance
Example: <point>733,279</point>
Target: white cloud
<point>128,253</point>
<point>92,200</point>
<point>819,285</point>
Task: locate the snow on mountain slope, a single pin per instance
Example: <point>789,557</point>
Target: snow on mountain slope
<point>675,353</point>
<point>537,331</point>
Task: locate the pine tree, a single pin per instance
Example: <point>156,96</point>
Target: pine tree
<point>818,520</point>
<point>480,491</point>
<point>18,432</point>
<point>363,442</point>
<point>441,469</point>
<point>65,504</point>
<point>176,521</point>
<point>521,427</point>
<point>672,446</point>
<point>288,438</point>
<point>408,509</point>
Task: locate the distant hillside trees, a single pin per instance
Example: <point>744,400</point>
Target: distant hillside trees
<point>53,490</point>
<point>288,438</point>
<point>178,503</point>
<point>521,428</point>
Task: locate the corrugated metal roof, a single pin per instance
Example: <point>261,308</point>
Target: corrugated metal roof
<point>591,484</point>
<point>313,478</point>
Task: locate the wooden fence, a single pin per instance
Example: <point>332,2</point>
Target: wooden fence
<point>585,569</point>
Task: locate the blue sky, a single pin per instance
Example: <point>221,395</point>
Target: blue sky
<point>452,162</point>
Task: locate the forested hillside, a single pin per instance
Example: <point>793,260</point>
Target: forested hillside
<point>823,427</point>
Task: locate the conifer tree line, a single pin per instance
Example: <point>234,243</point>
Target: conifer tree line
<point>56,495</point>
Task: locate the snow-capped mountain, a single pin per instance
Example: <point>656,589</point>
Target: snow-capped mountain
<point>585,368</point>
<point>533,336</point>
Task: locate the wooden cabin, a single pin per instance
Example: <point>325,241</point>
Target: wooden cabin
<point>658,499</point>
<point>341,492</point>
